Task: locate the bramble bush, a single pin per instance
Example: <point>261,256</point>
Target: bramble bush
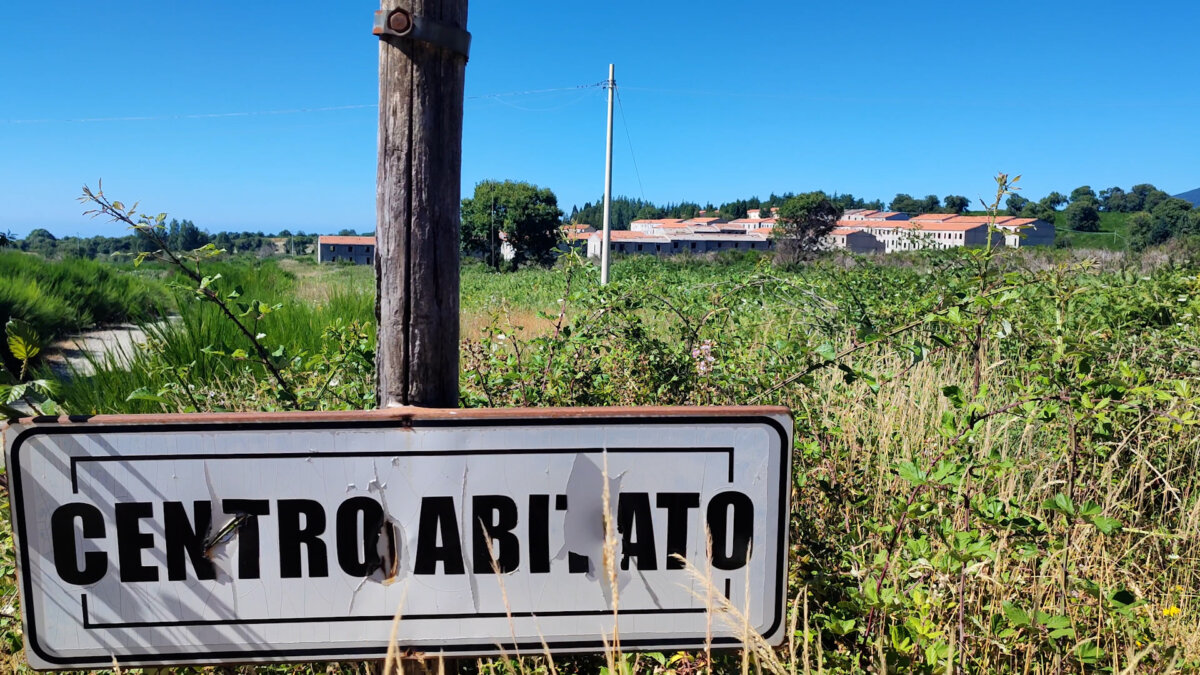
<point>994,449</point>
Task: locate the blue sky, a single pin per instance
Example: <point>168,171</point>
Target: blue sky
<point>259,115</point>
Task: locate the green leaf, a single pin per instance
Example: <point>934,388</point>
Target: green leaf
<point>1088,652</point>
<point>1016,616</point>
<point>827,352</point>
<point>23,340</point>
<point>1107,525</point>
<point>1061,504</point>
<point>909,472</point>
<point>1054,622</point>
<point>1122,598</point>
<point>144,394</point>
<point>955,394</point>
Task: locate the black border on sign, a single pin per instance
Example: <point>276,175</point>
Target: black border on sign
<point>31,639</point>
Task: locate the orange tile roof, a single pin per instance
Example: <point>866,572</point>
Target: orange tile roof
<point>338,240</point>
<point>950,226</point>
<point>751,221</point>
<point>629,235</point>
<point>660,221</point>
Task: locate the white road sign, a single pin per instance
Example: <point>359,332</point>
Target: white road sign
<point>231,538</point>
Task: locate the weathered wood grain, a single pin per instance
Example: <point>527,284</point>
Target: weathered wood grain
<point>417,214</point>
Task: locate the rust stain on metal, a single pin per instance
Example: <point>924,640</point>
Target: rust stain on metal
<point>407,415</point>
<point>399,21</point>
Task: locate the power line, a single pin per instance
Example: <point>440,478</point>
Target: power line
<point>193,116</point>
<point>283,111</point>
<point>538,91</point>
<point>629,138</point>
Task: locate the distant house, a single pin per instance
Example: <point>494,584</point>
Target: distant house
<point>672,239</point>
<point>1020,232</point>
<point>920,233</point>
<point>357,250</point>
<point>851,239</point>
<point>872,214</point>
<point>756,214</point>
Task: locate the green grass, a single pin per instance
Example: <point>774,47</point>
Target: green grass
<point>201,332</point>
<point>1113,234</point>
<point>995,470</point>
<point>59,297</point>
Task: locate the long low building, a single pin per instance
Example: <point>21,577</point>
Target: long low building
<point>357,250</point>
<point>668,236</point>
<point>899,232</point>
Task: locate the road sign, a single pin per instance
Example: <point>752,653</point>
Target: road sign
<point>297,537</point>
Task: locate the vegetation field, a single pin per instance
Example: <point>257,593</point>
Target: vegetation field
<point>1113,234</point>
<point>994,452</point>
<point>57,297</point>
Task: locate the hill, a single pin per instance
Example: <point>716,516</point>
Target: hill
<point>1192,196</point>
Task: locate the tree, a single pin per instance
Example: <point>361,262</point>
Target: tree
<point>528,216</point>
<point>1016,204</point>
<point>1146,231</point>
<point>1083,193</point>
<point>1040,211</point>
<point>224,242</point>
<point>1192,226</point>
<point>1136,199</point>
<point>40,241</point>
<point>1054,200</point>
<point>1112,200</point>
<point>955,204</point>
<point>185,236</point>
<point>804,222</point>
<point>1154,198</point>
<point>904,203</point>
<point>1172,215</point>
<point>647,212</point>
<point>1083,216</point>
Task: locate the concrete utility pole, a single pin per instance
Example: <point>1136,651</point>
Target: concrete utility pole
<point>604,238</point>
<point>422,64</point>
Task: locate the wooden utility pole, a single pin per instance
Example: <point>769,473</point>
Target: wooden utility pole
<point>422,64</point>
<point>423,49</point>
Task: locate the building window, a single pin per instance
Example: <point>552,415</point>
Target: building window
<point>639,247</point>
